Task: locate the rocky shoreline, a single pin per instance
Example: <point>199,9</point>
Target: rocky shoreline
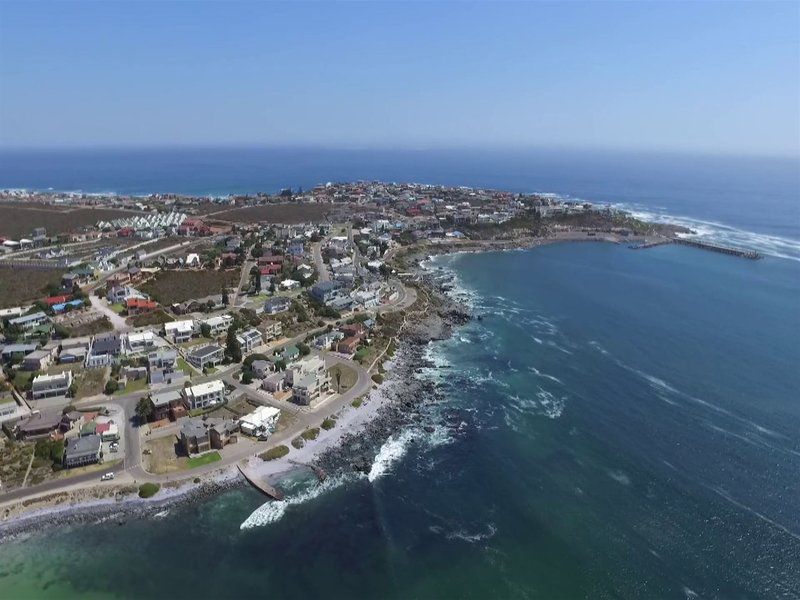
<point>403,395</point>
<point>407,394</point>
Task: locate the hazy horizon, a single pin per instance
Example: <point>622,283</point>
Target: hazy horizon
<point>706,78</point>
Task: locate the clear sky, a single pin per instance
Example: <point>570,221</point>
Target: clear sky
<point>711,77</point>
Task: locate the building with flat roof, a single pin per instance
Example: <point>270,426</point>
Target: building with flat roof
<point>51,386</point>
<point>206,356</point>
<point>219,324</point>
<point>261,421</point>
<point>179,331</point>
<point>249,339</point>
<point>28,322</point>
<point>82,451</point>
<point>204,394</point>
<point>168,404</point>
<point>279,304</point>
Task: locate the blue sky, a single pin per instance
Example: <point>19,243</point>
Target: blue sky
<point>710,77</point>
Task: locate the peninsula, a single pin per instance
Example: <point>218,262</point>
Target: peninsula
<point>158,346</point>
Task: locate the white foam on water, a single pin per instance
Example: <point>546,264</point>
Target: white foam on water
<point>544,404</point>
<point>753,512</point>
<point>619,477</point>
<point>539,373</point>
<point>725,235</point>
<point>393,450</point>
<point>552,344</point>
<point>272,511</point>
<point>473,538</point>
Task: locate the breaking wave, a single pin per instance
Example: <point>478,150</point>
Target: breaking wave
<point>393,450</point>
<point>274,510</point>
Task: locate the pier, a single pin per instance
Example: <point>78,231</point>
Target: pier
<point>262,486</point>
<point>749,254</point>
<point>648,244</point>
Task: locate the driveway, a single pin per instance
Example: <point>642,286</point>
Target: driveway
<point>116,320</point>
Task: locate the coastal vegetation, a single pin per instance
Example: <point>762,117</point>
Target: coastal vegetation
<point>169,287</point>
<point>148,490</point>
<point>19,285</point>
<point>17,220</point>
<point>310,434</point>
<point>328,424</point>
<point>289,213</point>
<point>274,453</point>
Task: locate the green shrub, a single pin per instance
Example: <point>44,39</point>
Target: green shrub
<point>357,402</point>
<point>148,490</point>
<point>377,378</point>
<point>328,424</point>
<point>310,434</point>
<point>298,442</point>
<point>274,453</point>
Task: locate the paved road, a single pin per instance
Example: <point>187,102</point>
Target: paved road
<point>246,266</point>
<point>322,271</point>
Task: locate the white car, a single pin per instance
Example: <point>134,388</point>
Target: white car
<point>107,477</point>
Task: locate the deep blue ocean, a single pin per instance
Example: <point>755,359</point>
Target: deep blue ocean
<point>627,422</point>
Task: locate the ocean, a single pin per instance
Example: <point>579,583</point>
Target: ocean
<point>622,424</point>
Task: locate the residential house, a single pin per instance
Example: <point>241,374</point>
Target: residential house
<point>261,368</point>
<point>82,451</point>
<point>168,404</point>
<point>200,435</point>
<point>279,304</point>
<point>140,306</point>
<point>194,436</point>
<point>206,356</point>
<point>37,360</point>
<point>309,380</point>
<point>13,352</point>
<point>141,341</point>
<point>104,350</point>
<point>271,330</point>
<point>39,424</point>
<point>327,341</point>
<point>261,421</point>
<point>29,322</point>
<point>348,345</point>
<point>64,306</point>
<point>204,395</point>
<point>50,386</point>
<point>179,331</point>
<point>163,358</point>
<point>123,293</point>
<point>274,383</point>
<point>74,350</point>
<point>325,291</point>
<point>219,324</point>
<point>8,406</point>
<point>249,340</point>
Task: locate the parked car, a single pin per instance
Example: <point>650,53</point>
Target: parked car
<point>107,477</point>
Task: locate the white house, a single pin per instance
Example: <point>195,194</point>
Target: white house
<point>179,331</point>
<point>48,386</point>
<point>261,421</point>
<point>249,339</point>
<point>219,324</point>
<point>204,394</point>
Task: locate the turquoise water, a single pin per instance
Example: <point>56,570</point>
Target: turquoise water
<point>624,424</point>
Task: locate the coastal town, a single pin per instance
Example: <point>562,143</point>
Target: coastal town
<point>150,342</point>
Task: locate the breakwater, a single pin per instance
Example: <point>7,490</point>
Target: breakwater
<point>749,254</point>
